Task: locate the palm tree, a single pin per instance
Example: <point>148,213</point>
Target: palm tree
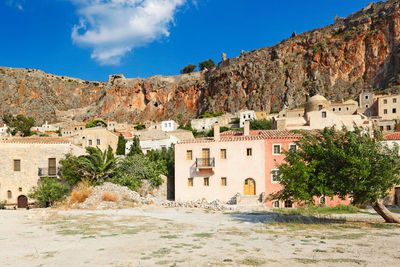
<point>97,166</point>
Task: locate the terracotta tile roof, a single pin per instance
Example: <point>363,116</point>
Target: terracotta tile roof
<point>124,134</point>
<point>233,136</point>
<point>34,140</point>
<point>392,136</point>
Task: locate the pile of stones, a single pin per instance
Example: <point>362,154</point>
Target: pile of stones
<point>125,196</point>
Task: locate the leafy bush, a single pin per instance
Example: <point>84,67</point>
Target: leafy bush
<point>48,192</point>
<point>96,123</point>
<point>3,205</point>
<point>212,115</point>
<point>188,69</point>
<point>263,124</point>
<point>20,123</point>
<point>140,126</point>
<point>208,64</point>
<point>132,170</point>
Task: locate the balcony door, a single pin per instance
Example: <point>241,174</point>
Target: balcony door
<point>52,167</point>
<point>205,155</point>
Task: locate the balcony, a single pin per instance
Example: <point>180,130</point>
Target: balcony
<point>49,172</point>
<point>205,163</point>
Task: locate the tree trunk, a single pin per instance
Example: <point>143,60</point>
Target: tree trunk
<point>384,212</point>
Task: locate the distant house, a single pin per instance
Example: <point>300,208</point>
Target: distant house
<point>157,140</point>
<point>246,115</point>
<point>24,161</point>
<point>168,126</point>
<point>46,128</point>
<point>3,130</point>
<point>72,130</point>
<point>96,137</point>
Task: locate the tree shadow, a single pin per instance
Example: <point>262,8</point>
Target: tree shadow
<point>275,217</point>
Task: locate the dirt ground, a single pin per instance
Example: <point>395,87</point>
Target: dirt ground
<point>156,236</point>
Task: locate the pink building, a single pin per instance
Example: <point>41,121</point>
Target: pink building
<point>233,163</point>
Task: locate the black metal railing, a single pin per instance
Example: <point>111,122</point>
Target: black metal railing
<point>205,162</point>
<point>50,172</point>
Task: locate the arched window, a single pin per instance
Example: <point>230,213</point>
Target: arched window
<point>288,203</point>
<point>9,194</point>
<point>276,204</point>
<point>322,200</point>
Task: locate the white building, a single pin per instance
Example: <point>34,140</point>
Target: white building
<point>168,126</point>
<point>246,115</point>
<point>3,130</point>
<point>46,127</point>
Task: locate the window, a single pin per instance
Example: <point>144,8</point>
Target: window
<point>98,142</point>
<point>276,150</point>
<point>319,107</point>
<point>323,114</point>
<point>190,182</point>
<point>292,147</point>
<point>249,152</point>
<point>207,181</point>
<point>381,128</point>
<point>288,203</point>
<point>333,109</point>
<point>366,106</point>
<point>322,200</point>
<point>394,100</point>
<point>275,176</point>
<point>275,204</point>
<point>17,165</point>
<point>223,181</point>
<point>388,127</point>
<point>223,153</point>
<point>366,97</point>
<point>340,109</point>
<point>347,108</point>
<point>52,166</point>
<point>385,111</point>
<point>20,189</point>
<point>394,110</point>
<point>189,155</point>
<point>9,194</point>
<point>385,101</point>
<point>90,142</point>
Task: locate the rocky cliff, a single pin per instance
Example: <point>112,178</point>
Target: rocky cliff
<point>338,61</point>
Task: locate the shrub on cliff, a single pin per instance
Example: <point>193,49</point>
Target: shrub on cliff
<point>208,64</point>
<point>96,123</point>
<point>20,123</point>
<point>188,69</point>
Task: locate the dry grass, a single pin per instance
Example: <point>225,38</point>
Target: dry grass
<point>109,196</point>
<point>80,192</point>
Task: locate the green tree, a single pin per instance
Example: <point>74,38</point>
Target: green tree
<point>263,124</point>
<point>121,145</point>
<point>342,163</point>
<point>96,166</point>
<point>140,126</point>
<point>135,147</point>
<point>188,69</point>
<point>132,170</point>
<point>208,64</point>
<point>20,123</point>
<point>48,191</point>
<point>164,157</point>
<point>96,123</point>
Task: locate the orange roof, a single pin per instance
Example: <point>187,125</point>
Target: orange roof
<point>34,140</point>
<point>125,134</point>
<point>233,136</point>
<point>392,136</point>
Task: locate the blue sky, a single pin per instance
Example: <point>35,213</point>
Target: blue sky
<point>91,39</point>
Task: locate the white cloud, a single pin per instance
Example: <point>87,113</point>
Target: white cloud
<point>16,3</point>
<point>113,28</point>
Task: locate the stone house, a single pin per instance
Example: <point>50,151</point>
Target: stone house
<point>96,137</point>
<point>72,130</point>
<point>234,166</point>
<point>47,128</point>
<point>24,161</point>
<point>246,115</point>
<point>319,113</point>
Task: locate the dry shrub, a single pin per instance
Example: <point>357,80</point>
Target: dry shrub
<point>80,192</point>
<point>109,196</point>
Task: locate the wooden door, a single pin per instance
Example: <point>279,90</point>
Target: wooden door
<point>52,166</point>
<point>22,201</point>
<point>205,155</point>
<point>249,187</point>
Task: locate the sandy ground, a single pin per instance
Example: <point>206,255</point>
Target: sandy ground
<point>152,236</point>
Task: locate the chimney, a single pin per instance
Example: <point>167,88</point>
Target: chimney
<point>216,131</point>
<point>246,128</point>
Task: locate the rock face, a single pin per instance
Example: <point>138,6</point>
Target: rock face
<point>337,61</point>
